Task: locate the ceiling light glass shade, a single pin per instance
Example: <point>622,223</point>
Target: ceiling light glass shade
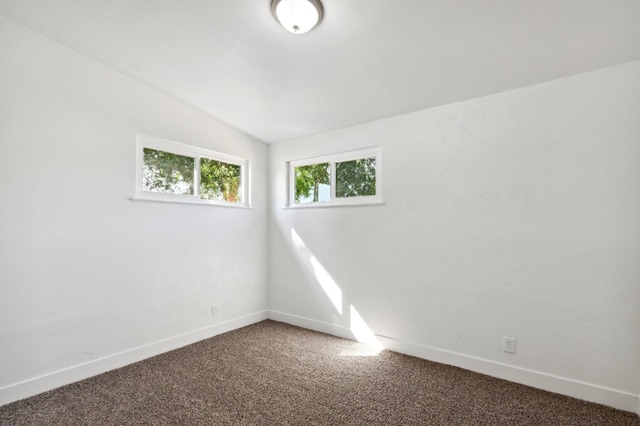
<point>297,16</point>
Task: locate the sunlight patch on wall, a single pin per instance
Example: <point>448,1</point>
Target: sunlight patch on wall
<point>321,275</point>
<point>362,332</point>
<point>367,344</point>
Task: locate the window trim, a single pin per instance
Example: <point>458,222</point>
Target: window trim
<point>358,154</point>
<point>152,142</point>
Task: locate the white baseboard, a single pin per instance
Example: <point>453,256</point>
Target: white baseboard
<point>585,391</point>
<point>589,392</point>
<point>31,387</point>
<point>310,324</point>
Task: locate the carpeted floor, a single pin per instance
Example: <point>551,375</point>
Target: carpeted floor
<point>276,374</point>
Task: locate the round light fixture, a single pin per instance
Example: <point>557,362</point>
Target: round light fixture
<point>297,16</point>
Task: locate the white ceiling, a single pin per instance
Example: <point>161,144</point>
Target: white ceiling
<point>368,59</point>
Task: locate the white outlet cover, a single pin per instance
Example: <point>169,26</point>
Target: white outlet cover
<point>509,344</point>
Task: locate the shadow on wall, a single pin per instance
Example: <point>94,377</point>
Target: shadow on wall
<point>358,326</point>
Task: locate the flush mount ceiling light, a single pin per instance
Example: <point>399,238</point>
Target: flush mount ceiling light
<point>297,16</point>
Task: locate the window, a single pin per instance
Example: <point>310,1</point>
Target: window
<point>340,179</point>
<point>170,171</point>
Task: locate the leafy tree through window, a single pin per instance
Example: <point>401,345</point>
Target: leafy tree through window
<point>356,178</point>
<point>311,180</point>
<point>219,181</point>
<point>169,171</point>
<point>338,179</point>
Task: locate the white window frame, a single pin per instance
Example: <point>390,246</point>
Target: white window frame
<point>375,152</point>
<point>151,142</point>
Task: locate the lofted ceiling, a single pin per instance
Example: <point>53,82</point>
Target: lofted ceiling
<point>368,59</point>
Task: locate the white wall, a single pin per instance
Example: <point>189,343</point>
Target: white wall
<point>514,214</point>
<point>86,275</point>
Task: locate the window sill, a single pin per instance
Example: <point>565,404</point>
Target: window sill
<point>153,199</point>
<point>328,205</point>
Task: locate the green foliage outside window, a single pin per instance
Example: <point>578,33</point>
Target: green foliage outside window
<point>308,180</point>
<point>356,178</point>
<point>167,172</point>
<point>174,174</point>
<point>219,181</point>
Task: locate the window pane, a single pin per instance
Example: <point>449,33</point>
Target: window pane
<point>313,183</point>
<point>220,181</point>
<point>167,172</point>
<point>356,178</point>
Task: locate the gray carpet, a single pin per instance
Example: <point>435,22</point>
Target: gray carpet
<point>276,374</point>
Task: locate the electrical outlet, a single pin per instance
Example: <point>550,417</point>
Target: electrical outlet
<point>214,310</point>
<point>509,344</point>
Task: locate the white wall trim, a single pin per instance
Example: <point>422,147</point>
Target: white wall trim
<point>31,387</point>
<point>311,324</point>
<point>585,391</point>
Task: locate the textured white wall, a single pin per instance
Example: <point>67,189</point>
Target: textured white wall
<point>86,273</point>
<point>514,214</point>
